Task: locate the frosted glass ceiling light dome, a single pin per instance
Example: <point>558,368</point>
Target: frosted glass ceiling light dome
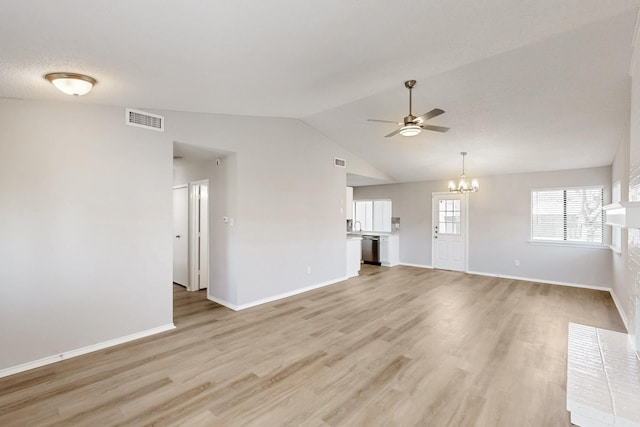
<point>410,130</point>
<point>71,83</point>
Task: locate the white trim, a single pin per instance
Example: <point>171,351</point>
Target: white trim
<point>435,221</point>
<point>84,350</point>
<point>222,302</point>
<point>284,295</point>
<point>634,45</point>
<point>548,282</point>
<point>569,244</point>
<point>621,312</point>
<point>416,265</point>
<point>194,249</point>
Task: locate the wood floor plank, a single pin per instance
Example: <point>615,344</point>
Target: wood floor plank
<point>399,346</point>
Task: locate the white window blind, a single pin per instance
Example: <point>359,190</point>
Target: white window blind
<point>568,214</point>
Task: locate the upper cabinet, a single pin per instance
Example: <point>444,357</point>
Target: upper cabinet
<point>349,207</point>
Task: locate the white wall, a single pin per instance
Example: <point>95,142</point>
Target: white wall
<point>632,284</point>
<point>412,203</point>
<point>85,220</point>
<point>622,281</point>
<point>187,170</point>
<point>499,223</point>
<point>221,174</point>
<point>222,203</point>
<point>499,227</point>
<point>289,201</point>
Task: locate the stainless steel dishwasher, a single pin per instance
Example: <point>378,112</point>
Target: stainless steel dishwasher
<point>370,249</point>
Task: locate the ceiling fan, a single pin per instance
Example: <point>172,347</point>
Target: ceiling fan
<point>412,125</point>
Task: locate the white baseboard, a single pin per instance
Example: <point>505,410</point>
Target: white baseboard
<point>416,265</point>
<point>549,282</point>
<point>223,302</point>
<point>621,312</point>
<point>84,350</point>
<point>236,307</point>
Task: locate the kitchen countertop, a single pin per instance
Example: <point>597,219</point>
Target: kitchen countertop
<point>369,233</point>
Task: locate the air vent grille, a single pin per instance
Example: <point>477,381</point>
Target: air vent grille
<point>339,163</point>
<point>144,120</point>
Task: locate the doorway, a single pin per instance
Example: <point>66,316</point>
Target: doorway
<point>199,235</point>
<point>449,242</point>
<point>191,235</point>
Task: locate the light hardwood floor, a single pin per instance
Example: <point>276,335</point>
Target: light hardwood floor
<point>396,346</point>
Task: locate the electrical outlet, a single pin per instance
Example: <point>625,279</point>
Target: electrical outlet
<point>517,263</point>
<point>308,269</point>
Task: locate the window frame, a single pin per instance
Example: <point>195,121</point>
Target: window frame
<point>564,242</point>
<point>373,220</point>
<point>616,232</point>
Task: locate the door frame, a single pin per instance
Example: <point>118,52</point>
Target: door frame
<point>434,222</point>
<point>188,236</point>
<point>196,251</point>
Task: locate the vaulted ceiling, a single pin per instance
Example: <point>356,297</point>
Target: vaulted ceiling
<point>527,85</point>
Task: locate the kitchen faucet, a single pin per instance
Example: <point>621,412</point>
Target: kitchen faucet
<point>354,226</point>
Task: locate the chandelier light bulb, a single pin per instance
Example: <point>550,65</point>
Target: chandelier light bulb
<point>463,185</point>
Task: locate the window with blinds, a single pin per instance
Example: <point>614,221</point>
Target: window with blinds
<point>372,215</point>
<point>568,214</point>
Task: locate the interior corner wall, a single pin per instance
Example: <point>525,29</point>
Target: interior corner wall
<point>86,229</point>
<point>621,278</point>
<point>288,231</point>
<point>412,203</point>
<point>499,227</point>
<point>500,230</point>
<point>633,257</point>
<point>186,171</point>
<point>221,174</point>
<point>222,203</point>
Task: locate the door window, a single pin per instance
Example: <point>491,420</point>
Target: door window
<point>449,217</point>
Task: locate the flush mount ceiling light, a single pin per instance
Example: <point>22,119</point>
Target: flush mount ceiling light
<point>71,83</point>
<point>464,185</point>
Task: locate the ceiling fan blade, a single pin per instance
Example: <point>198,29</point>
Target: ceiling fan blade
<point>383,121</point>
<point>395,132</point>
<point>431,114</point>
<point>435,128</point>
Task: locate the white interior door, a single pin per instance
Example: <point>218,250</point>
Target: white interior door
<point>181,236</point>
<point>449,231</point>
<point>200,269</point>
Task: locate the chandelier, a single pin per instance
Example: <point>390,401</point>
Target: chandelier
<point>464,184</point>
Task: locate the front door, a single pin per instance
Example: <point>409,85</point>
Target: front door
<point>181,236</point>
<point>449,231</point>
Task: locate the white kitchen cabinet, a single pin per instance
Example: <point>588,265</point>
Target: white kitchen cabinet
<point>354,255</point>
<point>349,204</point>
<point>389,250</point>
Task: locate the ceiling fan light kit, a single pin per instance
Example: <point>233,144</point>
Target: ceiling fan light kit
<point>464,184</point>
<point>410,130</point>
<point>412,125</point>
<point>71,83</point>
